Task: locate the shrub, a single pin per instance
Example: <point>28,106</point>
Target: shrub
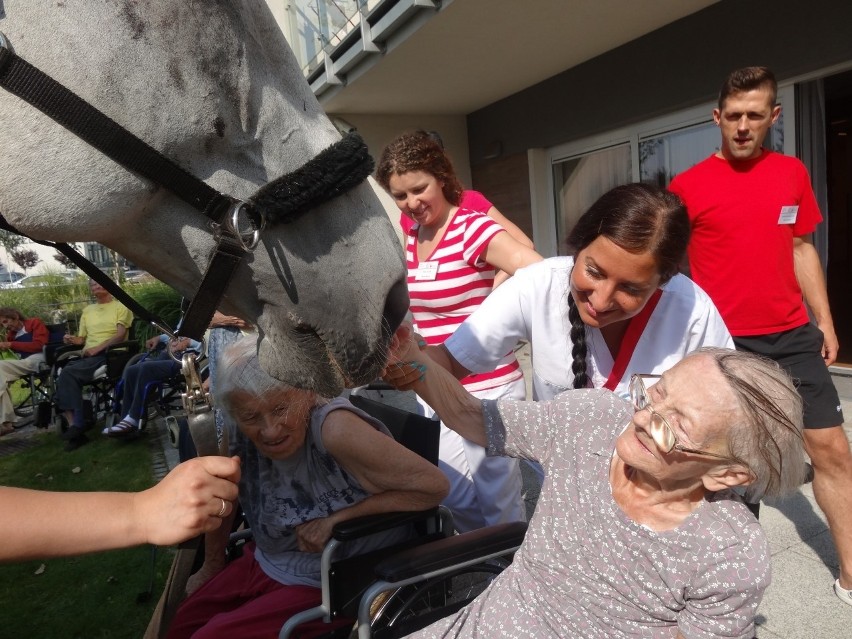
<point>63,299</point>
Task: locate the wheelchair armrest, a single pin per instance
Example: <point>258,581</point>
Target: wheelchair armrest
<point>451,551</point>
<point>64,352</point>
<point>122,346</point>
<point>369,524</point>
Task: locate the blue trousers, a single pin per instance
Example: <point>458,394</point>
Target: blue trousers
<point>139,375</point>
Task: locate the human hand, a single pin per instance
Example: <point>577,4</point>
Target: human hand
<point>179,344</point>
<point>220,319</point>
<point>5,345</point>
<point>152,343</point>
<point>404,366</point>
<point>72,339</point>
<point>187,502</point>
<point>830,343</point>
<point>89,352</point>
<point>313,535</point>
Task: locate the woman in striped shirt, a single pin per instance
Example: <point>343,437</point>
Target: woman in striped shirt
<point>452,254</point>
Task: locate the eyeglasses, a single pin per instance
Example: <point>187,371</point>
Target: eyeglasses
<point>660,430</point>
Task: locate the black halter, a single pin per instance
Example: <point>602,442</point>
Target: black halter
<point>334,171</point>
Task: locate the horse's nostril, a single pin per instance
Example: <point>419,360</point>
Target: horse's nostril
<point>396,306</point>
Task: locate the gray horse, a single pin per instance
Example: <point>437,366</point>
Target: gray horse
<point>214,86</point>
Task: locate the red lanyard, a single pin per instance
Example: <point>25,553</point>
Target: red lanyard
<point>631,337</point>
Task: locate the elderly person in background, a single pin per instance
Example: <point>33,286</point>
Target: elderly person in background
<point>102,324</point>
<point>162,362</point>
<point>25,338</point>
<point>639,530</point>
<point>308,463</point>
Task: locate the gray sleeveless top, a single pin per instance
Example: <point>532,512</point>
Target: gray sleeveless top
<point>278,495</point>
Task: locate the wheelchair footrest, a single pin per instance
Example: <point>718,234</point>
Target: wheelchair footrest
<point>450,551</point>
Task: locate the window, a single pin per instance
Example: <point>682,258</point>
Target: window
<point>662,156</point>
<point>653,151</point>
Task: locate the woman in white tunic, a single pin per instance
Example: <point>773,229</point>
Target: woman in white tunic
<point>616,307</point>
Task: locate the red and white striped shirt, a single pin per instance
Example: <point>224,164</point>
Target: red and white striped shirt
<point>451,284</point>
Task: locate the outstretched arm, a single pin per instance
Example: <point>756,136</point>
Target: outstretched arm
<point>812,282</point>
<point>413,369</point>
<point>515,232</point>
<point>54,524</point>
<point>507,254</point>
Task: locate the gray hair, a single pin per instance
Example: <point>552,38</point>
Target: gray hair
<point>766,437</point>
<point>239,370</point>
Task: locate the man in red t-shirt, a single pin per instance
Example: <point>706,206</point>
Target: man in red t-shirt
<point>752,213</point>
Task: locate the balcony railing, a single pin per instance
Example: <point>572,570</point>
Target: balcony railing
<point>332,37</point>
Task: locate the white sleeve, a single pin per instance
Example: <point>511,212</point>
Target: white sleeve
<point>494,329</point>
<point>710,328</point>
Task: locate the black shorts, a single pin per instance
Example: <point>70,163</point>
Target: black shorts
<point>799,352</point>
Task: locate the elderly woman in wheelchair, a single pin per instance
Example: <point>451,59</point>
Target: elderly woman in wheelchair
<point>639,529</point>
<point>23,341</point>
<point>308,463</point>
<point>161,363</point>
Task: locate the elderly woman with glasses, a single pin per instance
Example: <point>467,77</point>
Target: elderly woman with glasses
<point>639,530</point>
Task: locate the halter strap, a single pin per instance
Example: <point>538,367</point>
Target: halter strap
<point>334,171</point>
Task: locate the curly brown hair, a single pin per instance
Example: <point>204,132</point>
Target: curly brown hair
<point>418,151</point>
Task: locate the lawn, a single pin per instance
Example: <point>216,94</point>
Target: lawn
<point>94,595</point>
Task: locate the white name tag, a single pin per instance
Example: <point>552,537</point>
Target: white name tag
<point>427,272</point>
<point>788,215</point>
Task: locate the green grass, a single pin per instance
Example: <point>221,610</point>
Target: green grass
<point>93,595</point>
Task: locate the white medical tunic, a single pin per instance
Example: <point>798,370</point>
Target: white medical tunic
<point>533,306</point>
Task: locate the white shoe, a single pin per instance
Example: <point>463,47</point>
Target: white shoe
<point>844,595</point>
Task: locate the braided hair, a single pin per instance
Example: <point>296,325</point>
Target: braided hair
<point>639,218</point>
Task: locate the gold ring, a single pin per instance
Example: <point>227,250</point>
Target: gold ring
<point>222,510</point>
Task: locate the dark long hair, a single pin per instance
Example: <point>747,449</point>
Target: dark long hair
<point>639,218</point>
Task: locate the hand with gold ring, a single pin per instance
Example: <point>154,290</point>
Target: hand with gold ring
<point>179,507</point>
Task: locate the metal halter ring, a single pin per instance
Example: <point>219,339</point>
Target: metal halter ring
<point>248,239</point>
<point>4,43</point>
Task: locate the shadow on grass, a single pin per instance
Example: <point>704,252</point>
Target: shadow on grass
<point>93,595</point>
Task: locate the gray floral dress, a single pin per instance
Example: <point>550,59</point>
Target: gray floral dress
<point>585,569</point>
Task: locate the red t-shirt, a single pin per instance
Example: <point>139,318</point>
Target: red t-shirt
<point>470,200</point>
<point>744,218</point>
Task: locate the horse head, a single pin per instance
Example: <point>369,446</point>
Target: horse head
<point>213,86</point>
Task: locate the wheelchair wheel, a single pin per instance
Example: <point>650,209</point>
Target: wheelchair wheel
<point>22,398</point>
<point>410,608</point>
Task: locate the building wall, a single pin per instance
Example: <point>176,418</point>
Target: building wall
<point>505,181</point>
<point>676,66</point>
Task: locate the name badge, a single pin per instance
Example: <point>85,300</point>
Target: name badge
<point>427,272</point>
<point>788,215</point>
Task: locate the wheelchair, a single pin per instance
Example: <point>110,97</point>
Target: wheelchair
<point>98,392</point>
<point>35,394</point>
<point>394,591</point>
<point>161,398</point>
